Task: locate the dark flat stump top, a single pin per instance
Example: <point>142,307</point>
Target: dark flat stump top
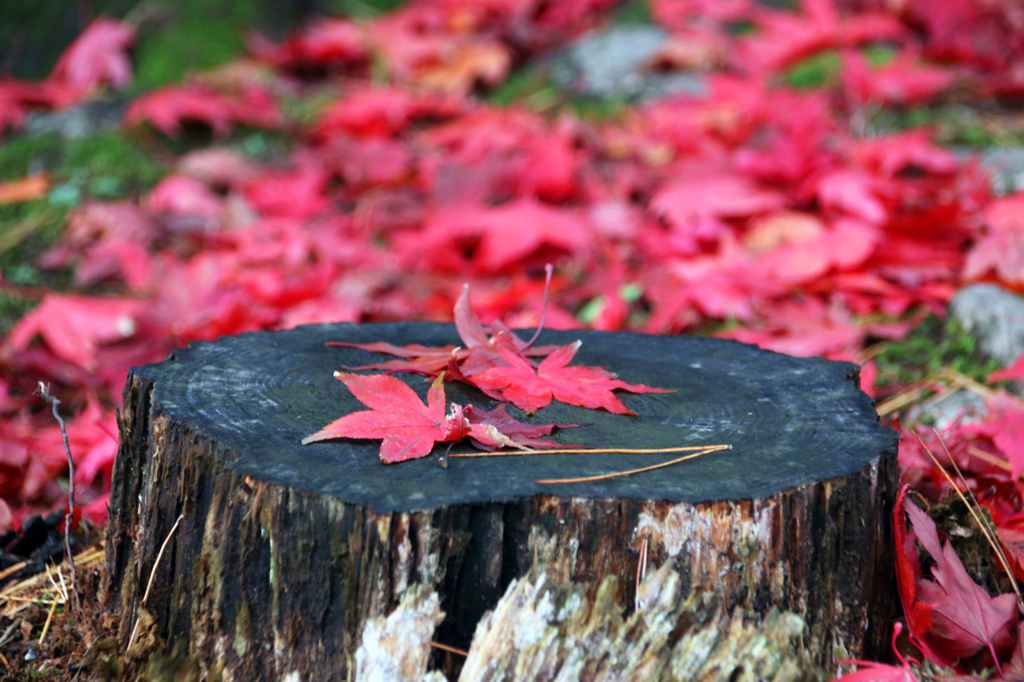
<point>791,421</point>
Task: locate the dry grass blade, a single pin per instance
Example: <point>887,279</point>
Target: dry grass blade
<point>899,400</point>
<point>641,570</point>
<point>982,524</point>
<point>967,382</point>
<point>152,574</point>
<point>602,477</point>
<point>21,595</point>
<point>46,625</point>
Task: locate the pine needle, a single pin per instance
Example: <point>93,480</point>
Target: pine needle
<point>591,451</point>
<point>601,477</point>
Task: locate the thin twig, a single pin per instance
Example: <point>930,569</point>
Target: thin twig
<point>8,633</point>
<point>152,574</point>
<point>602,477</point>
<point>450,649</point>
<point>44,392</point>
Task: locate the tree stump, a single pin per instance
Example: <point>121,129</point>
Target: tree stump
<point>291,561</point>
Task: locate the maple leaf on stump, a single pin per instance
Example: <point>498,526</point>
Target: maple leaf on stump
<point>495,429</point>
<point>531,389</point>
<point>409,428</point>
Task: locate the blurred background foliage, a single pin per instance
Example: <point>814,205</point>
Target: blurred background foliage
<point>174,37</point>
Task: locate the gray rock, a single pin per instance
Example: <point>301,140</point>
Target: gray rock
<point>85,119</point>
<point>613,63</point>
<point>995,317</point>
<point>942,412</point>
<point>1006,165</point>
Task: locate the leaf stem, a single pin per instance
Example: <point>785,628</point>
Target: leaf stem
<point>548,270</point>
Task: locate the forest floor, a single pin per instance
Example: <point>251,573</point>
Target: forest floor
<point>824,181</point>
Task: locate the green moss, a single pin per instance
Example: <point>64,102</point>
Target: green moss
<point>879,55</point>
<point>102,166</point>
<point>190,36</point>
<point>933,345</point>
<point>25,154</point>
<point>958,525</point>
<point>530,87</point>
<point>955,125</point>
<point>109,166</point>
<point>633,12</point>
<point>818,70</point>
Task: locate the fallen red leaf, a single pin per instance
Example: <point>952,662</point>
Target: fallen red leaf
<point>964,617</point>
<point>1001,249</point>
<point>167,107</point>
<point>73,327</point>
<point>98,55</point>
<point>409,428</point>
<point>530,388</point>
<point>495,429</point>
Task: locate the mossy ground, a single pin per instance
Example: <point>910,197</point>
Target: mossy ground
<point>933,345</point>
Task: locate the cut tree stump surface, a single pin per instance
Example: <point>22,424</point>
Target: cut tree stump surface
<point>791,421</point>
<point>289,558</point>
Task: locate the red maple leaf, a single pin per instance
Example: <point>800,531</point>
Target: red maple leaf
<point>167,107</point>
<point>500,237</point>
<point>1002,249</point>
<point>416,358</point>
<point>99,55</point>
<point>75,326</point>
<point>530,388</point>
<point>908,573</point>
<point>477,355</point>
<point>495,429</point>
<point>327,41</point>
<point>787,37</point>
<point>903,81</point>
<point>964,618</point>
<point>1004,425</point>
<point>409,428</point>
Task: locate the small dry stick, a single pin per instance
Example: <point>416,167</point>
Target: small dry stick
<point>601,477</point>
<point>49,619</point>
<point>152,574</point>
<point>44,392</point>
<point>450,649</point>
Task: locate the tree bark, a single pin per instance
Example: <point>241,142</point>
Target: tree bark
<point>287,556</point>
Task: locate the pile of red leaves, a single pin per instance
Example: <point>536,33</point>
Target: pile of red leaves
<point>756,205</point>
<point>501,365</point>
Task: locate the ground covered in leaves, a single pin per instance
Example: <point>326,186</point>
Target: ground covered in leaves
<point>810,193</point>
